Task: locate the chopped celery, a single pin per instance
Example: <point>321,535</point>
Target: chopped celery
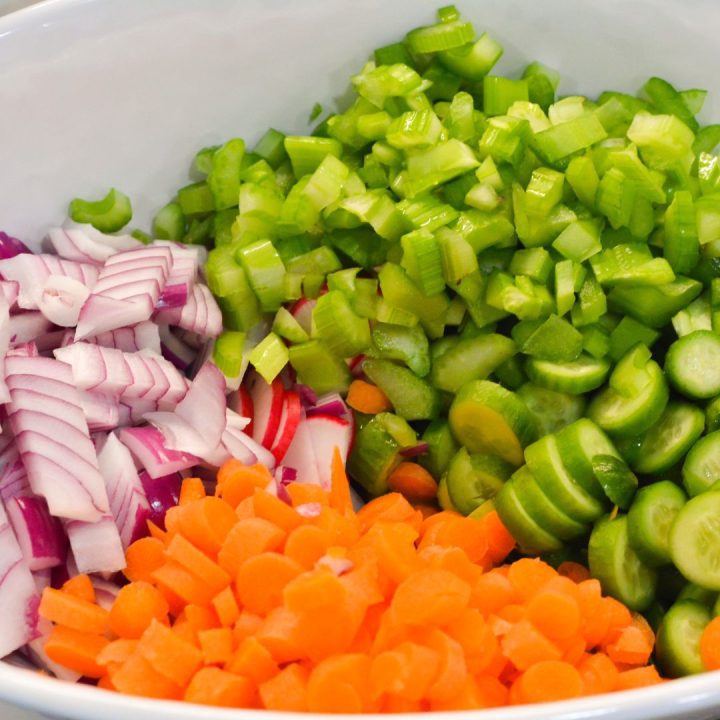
<point>681,246</point>
<point>228,352</point>
<point>286,326</point>
<point>306,153</point>
<point>265,272</point>
<point>474,60</point>
<point>111,213</point>
<point>269,356</point>
<point>499,93</point>
<point>579,241</point>
<point>271,147</point>
<point>560,141</point>
<point>343,332</point>
<point>318,368</point>
<point>169,223</point>
<point>443,36</point>
<point>224,176</point>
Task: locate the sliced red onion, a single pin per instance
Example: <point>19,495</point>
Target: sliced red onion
<point>148,447</point>
<point>43,578</point>
<point>331,404</point>
<point>13,476</point>
<point>415,450</point>
<point>143,336</point>
<point>102,411</point>
<point>10,247</point>
<point>106,592</point>
<point>4,344</point>
<point>39,535</point>
<point>61,299</point>
<point>31,272</point>
<point>287,474</point>
<point>28,349</point>
<point>52,436</point>
<point>174,349</point>
<point>26,326</point>
<point>10,290</point>
<point>307,395</point>
<point>200,314</point>
<point>128,503</point>
<point>173,296</point>
<point>18,594</point>
<point>89,246</point>
<point>162,492</point>
<point>182,278</point>
<point>96,546</point>
<point>96,368</point>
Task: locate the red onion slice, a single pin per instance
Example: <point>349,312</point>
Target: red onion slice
<point>148,447</point>
<point>162,492</point>
<point>61,299</point>
<point>200,314</point>
<point>102,411</point>
<point>86,244</point>
<point>10,246</point>
<point>39,535</point>
<point>96,546</point>
<point>10,290</point>
<point>13,476</point>
<point>174,349</point>
<point>143,336</point>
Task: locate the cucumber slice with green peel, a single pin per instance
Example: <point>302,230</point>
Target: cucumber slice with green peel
<point>473,479</point>
<point>470,359</point>
<point>701,469</point>
<point>578,444</point>
<point>697,594</point>
<point>530,537</point>
<point>669,439</point>
<point>541,509</point>
<point>552,410</point>
<point>678,639</point>
<point>692,364</point>
<point>576,378</point>
<point>632,413</point>
<point>650,518</point>
<point>482,510</point>
<point>441,447</point>
<point>544,460</point>
<point>616,478</point>
<point>443,496</point>
<point>695,540</point>
<point>617,566</point>
<point>488,419</point>
<point>712,415</point>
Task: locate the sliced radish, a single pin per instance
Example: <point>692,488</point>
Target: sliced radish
<point>289,421</point>
<point>326,433</point>
<point>301,455</point>
<point>267,401</point>
<point>302,311</point>
<point>241,402</point>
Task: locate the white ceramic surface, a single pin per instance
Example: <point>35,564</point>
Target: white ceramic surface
<point>122,92</point>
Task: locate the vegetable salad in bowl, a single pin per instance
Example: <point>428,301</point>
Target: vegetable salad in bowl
<point>418,412</point>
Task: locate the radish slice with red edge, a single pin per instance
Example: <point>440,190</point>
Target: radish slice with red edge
<point>241,403</point>
<point>326,433</point>
<point>302,311</point>
<point>301,455</point>
<point>267,400</point>
<point>289,421</point>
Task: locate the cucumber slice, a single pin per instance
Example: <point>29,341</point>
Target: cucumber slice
<point>695,540</point>
<point>441,448</point>
<point>650,518</point>
<point>541,509</point>
<point>473,479</point>
<point>486,418</point>
<point>443,495</point>
<point>678,639</point>
<point>617,566</point>
<point>577,377</point>
<point>694,592</point>
<point>692,364</point>
<point>578,444</point>
<point>712,415</point>
<point>701,469</point>
<point>667,441</point>
<point>616,478</point>
<point>482,510</point>
<point>531,538</point>
<point>552,410</point>
<point>544,460</point>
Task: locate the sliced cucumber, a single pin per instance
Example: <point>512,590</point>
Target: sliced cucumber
<point>488,419</point>
<point>441,447</point>
<point>617,480</point>
<point>529,535</point>
<point>701,469</point>
<point>692,364</point>
<point>544,460</point>
<point>473,479</point>
<point>617,566</point>
<point>694,592</point>
<point>678,639</point>
<point>577,377</point>
<point>552,410</point>
<point>667,441</point>
<point>650,518</point>
<point>541,509</point>
<point>695,540</point>
<point>443,495</point>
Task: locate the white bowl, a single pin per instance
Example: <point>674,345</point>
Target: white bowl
<point>96,93</point>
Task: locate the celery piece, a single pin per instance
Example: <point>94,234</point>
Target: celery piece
<point>409,345</point>
<point>579,241</point>
<point>365,299</point>
<point>646,183</point>
<point>564,287</point>
<point>445,84</point>
<point>376,84</point>
<point>666,99</point>
<point>373,126</point>
<point>142,236</point>
<point>583,179</point>
<point>224,176</point>
<point>326,183</point>
<point>707,214</point>
<point>320,260</point>
<point>414,129</point>
<point>544,191</point>
<point>343,280</point>
<point>615,197</point>
<point>228,352</point>
<point>312,284</point>
<point>536,263</point>
<point>505,139</point>
<point>240,310</point>
<point>111,213</point>
<point>411,397</point>
<point>458,257</point>
<point>552,339</point>
<point>708,170</point>
<point>306,153</point>
<point>448,13</point>
<point>567,109</point>
<point>698,315</point>
<point>488,173</point>
<point>259,201</point>
<point>427,212</point>
<point>271,148</point>
<point>265,272</point>
<point>298,214</point>
<point>225,275</point>
<point>499,93</point>
<point>422,261</point>
<point>542,83</point>
<point>387,313</point>
<point>706,139</point>
<point>456,312</point>
<point>169,223</point>
<point>318,368</point>
<point>474,60</point>
<point>344,333</point>
<point>455,191</point>
<point>591,304</point>
<point>596,341</point>
<point>286,326</point>
<point>630,264</point>
<point>664,140</point>
<point>460,121</point>
<point>222,226</point>
<point>202,162</point>
<point>199,232</point>
<point>532,112</point>
<point>681,246</point>
<point>483,196</point>
<point>443,36</point>
<point>394,54</point>
<point>561,141</point>
<point>373,173</point>
<point>438,164</point>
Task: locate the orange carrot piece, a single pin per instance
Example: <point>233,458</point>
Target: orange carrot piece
<point>253,661</point>
<point>135,606</point>
<point>340,497</point>
<point>262,579</point>
<point>274,510</point>
<point>212,686</point>
<point>710,645</point>
<point>206,523</point>
<point>72,612</point>
<point>555,614</point>
<point>525,646</point>
<point>339,684</point>
<point>226,607</point>
<point>430,597</point>
<point>306,545</point>
<point>136,676</point>
<point>81,587</point>
<point>143,557</point>
<point>491,592</point>
<point>548,681</point>
<point>595,623</point>
<point>115,653</point>
<point>248,538</point>
<point>277,633</point>
<point>574,571</point>
<point>453,559</point>
<point>631,647</point>
<point>599,674</point>
<point>453,530</point>
<point>192,488</point>
<point>76,650</point>
<point>216,645</point>
<point>421,666</point>
<point>201,617</point>
<point>499,540</point>
<point>181,583</point>
<point>170,655</point>
<point>413,482</point>
<point>304,493</point>
<point>468,697</point>
<point>287,691</point>
<point>476,637</point>
<point>341,528</point>
<point>392,507</point>
<point>105,683</point>
<point>528,576</point>
<point>620,616</point>
<point>156,532</point>
<point>185,554</point>
<point>237,482</point>
<point>394,548</point>
<point>452,669</point>
<point>638,677</point>
<point>367,398</point>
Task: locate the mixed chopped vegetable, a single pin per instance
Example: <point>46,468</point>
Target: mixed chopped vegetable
<point>497,308</point>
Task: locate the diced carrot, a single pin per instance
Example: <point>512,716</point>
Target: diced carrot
<point>595,613</point>
<point>274,510</point>
<point>549,680</point>
<point>226,607</point>
<point>245,509</point>
<point>206,523</point>
<point>212,686</point>
<point>143,557</point>
<point>171,656</point>
<point>181,583</point>
<point>620,616</point>
<point>201,617</point>
<point>76,650</point>
<point>306,493</point>
<point>413,481</point>
<point>81,587</point>
<point>278,634</point>
<point>453,559</point>
<point>525,646</point>
<point>185,554</point>
<point>262,579</point>
<point>192,488</point>
<point>246,625</point>
<point>216,645</point>
<point>367,398</point>
<point>115,653</point>
<point>710,645</point>
<point>340,497</point>
<point>513,613</point>
<point>638,677</point>
<point>339,684</point>
<point>458,531</point>
<point>491,592</point>
<point>467,698</point>
<point>135,606</point>
<point>136,676</point>
<point>105,683</point>
<point>253,661</point>
<point>394,547</point>
<point>236,482</point>
<point>500,541</point>
<point>599,674</point>
<point>156,532</point>
<point>343,529</point>
<point>72,612</point>
<point>430,597</point>
<point>287,691</point>
<point>452,669</point>
<point>631,647</point>
<point>555,614</point>
<point>528,576</point>
<point>575,571</point>
<point>421,667</point>
<point>476,637</point>
<point>392,507</point>
<point>306,545</point>
<point>247,538</point>
<point>426,509</point>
